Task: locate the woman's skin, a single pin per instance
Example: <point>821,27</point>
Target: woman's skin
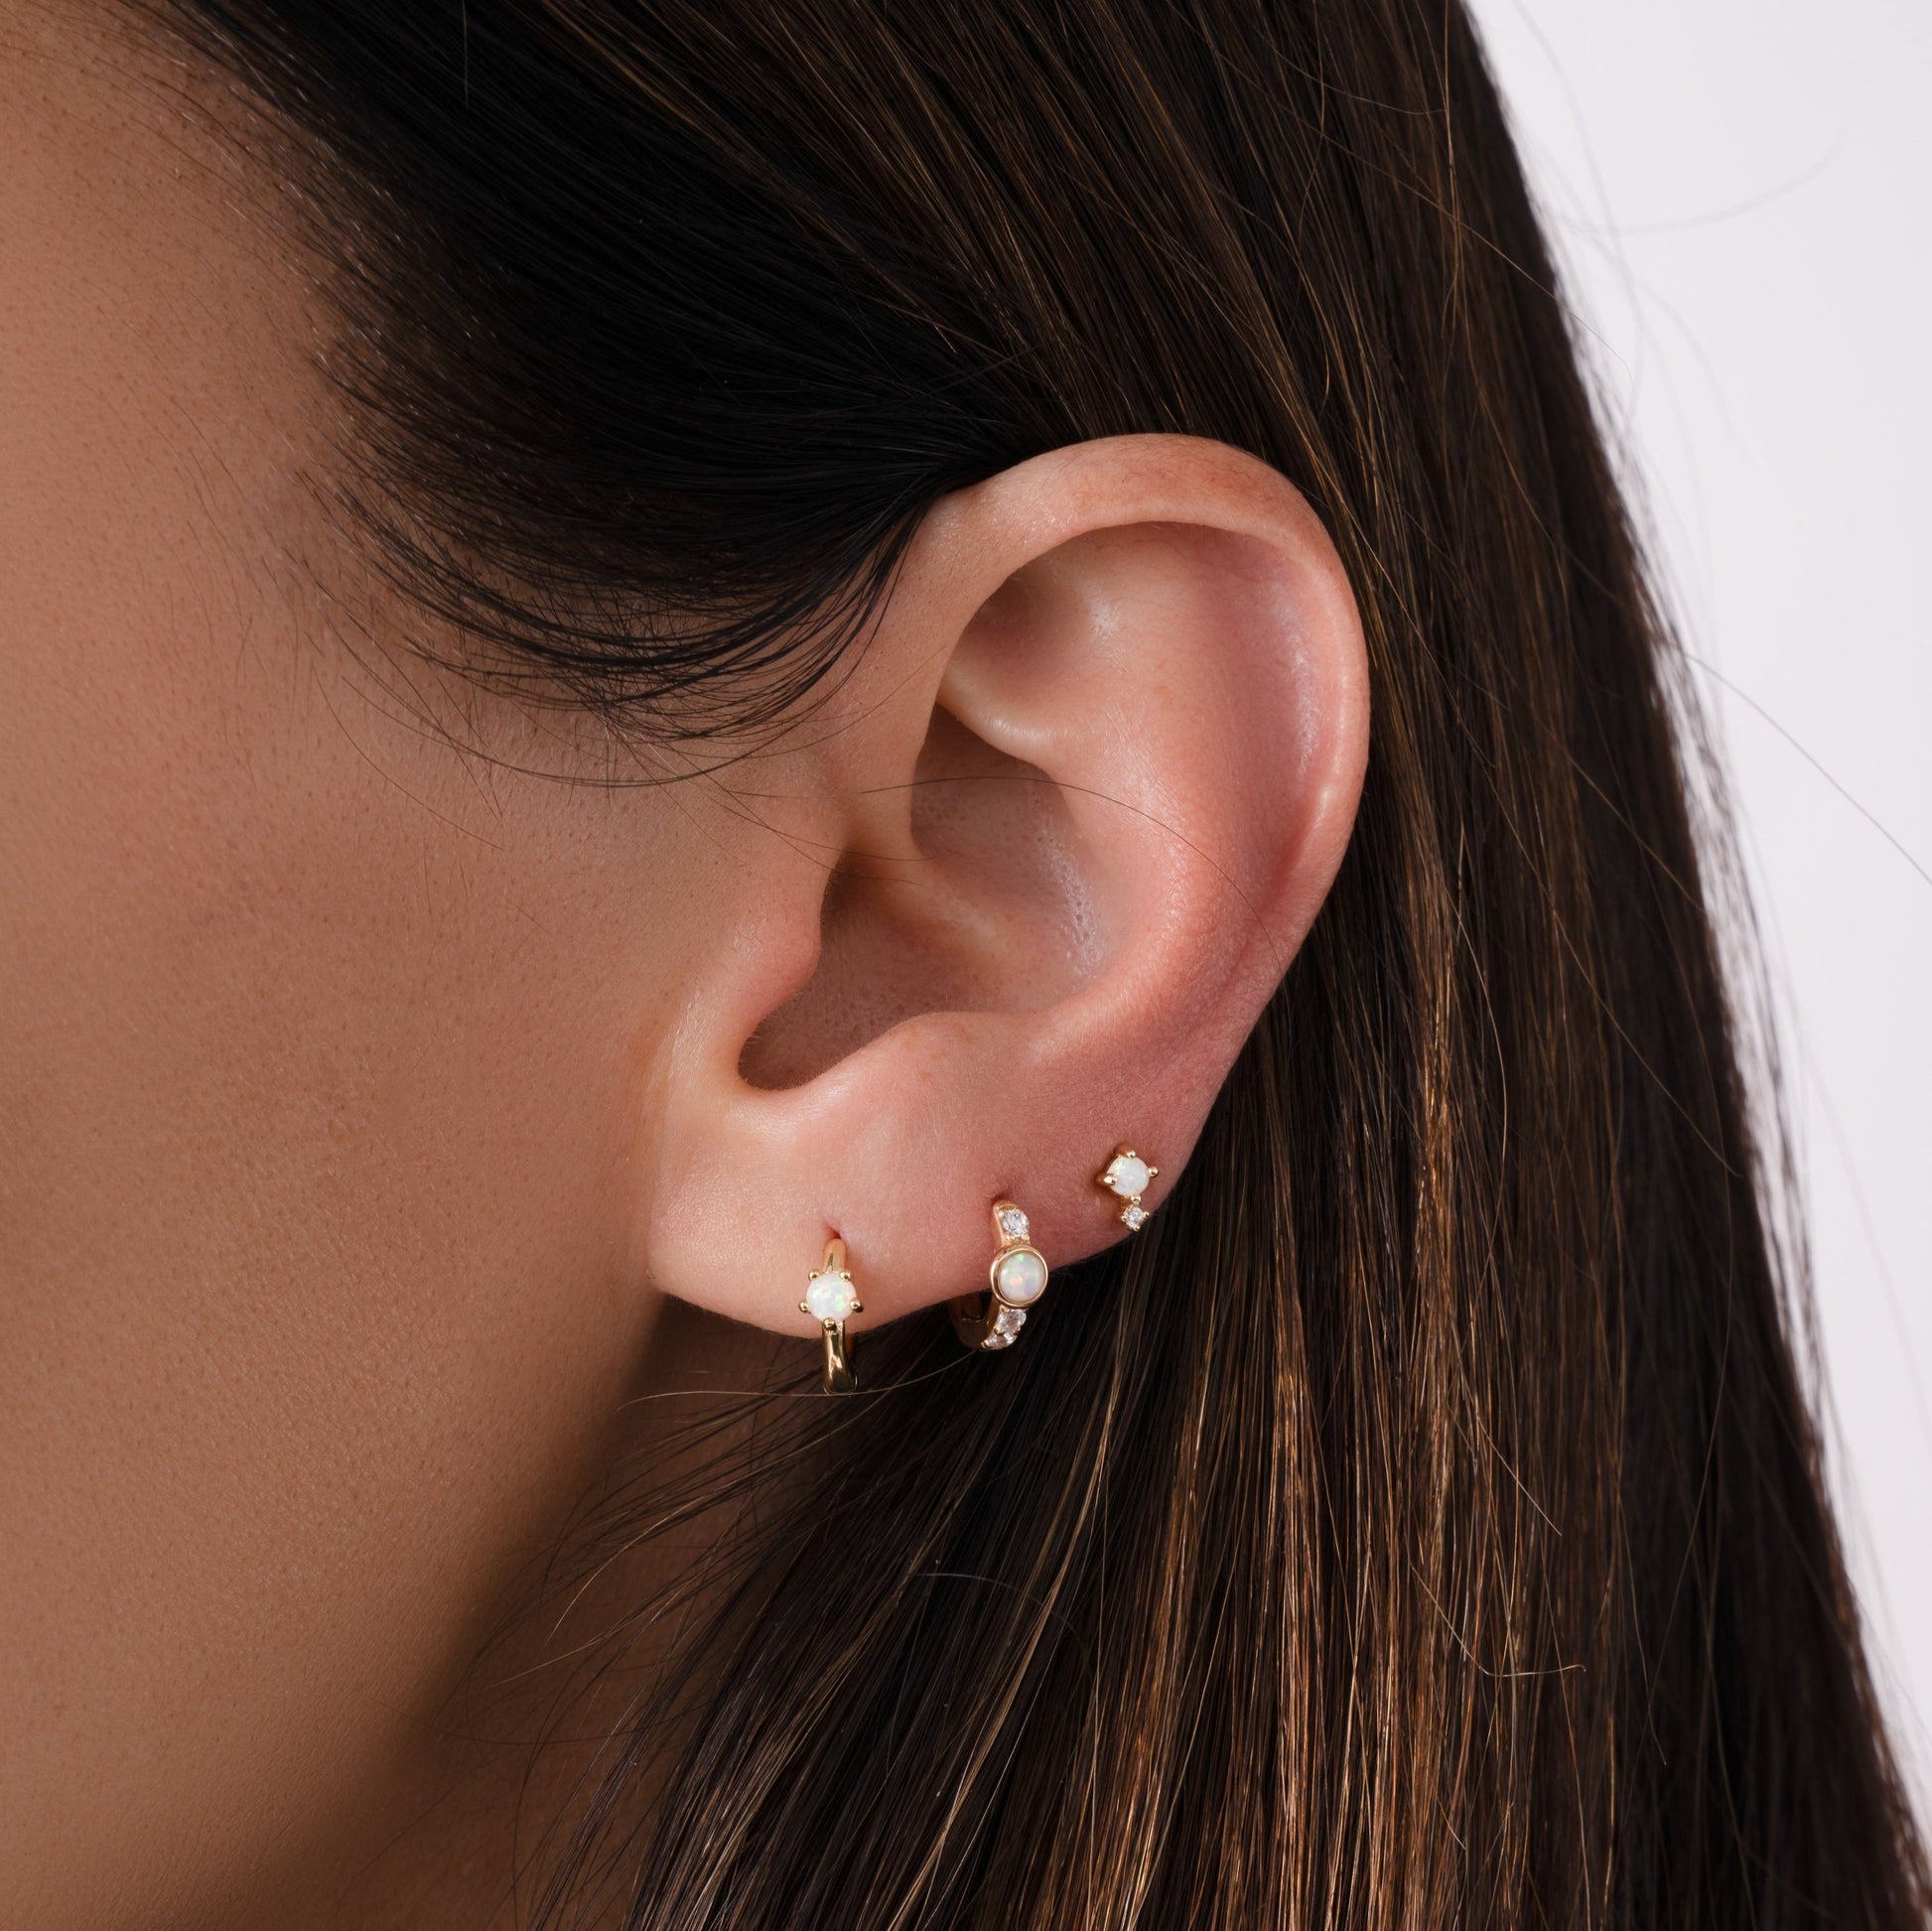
<point>383,1109</point>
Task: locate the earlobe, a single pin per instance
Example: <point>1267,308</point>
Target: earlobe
<point>1088,787</point>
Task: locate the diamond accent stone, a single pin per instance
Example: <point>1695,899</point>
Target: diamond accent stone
<point>831,1296</point>
<point>1013,1223</point>
<point>1134,1215</point>
<point>1008,1322</point>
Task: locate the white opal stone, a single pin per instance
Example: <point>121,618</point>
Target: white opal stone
<point>1129,1174</point>
<point>830,1296</point>
<point>1020,1278</point>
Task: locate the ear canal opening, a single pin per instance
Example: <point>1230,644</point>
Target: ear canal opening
<point>978,902</point>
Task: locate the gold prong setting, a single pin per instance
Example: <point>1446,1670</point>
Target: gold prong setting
<point>1126,1177</point>
<point>830,1296</point>
<point>830,1299</point>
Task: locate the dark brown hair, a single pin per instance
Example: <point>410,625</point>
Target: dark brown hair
<point>1421,1524</point>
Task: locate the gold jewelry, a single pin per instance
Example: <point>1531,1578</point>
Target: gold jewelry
<point>1018,1277</point>
<point>829,1298</point>
<point>1128,1176</point>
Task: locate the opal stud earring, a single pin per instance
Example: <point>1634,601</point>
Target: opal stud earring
<point>829,1298</point>
<point>1127,1177</point>
<point>1017,1278</point>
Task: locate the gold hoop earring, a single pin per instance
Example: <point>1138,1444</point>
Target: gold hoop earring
<point>1017,1278</point>
<point>829,1298</point>
<point>1126,1177</point>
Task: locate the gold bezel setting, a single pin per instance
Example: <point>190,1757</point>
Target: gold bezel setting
<point>1016,1279</point>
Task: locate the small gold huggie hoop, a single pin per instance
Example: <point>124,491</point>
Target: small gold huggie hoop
<point>829,1298</point>
<point>1017,1278</point>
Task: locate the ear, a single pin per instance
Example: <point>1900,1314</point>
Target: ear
<point>1083,796</point>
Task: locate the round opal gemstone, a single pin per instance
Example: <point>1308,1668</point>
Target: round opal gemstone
<point>1020,1278</point>
<point>830,1296</point>
<point>1129,1174</point>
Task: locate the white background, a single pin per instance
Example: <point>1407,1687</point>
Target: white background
<point>1741,193</point>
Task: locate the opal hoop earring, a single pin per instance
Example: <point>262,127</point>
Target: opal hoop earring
<point>1016,1280</point>
<point>829,1298</point>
